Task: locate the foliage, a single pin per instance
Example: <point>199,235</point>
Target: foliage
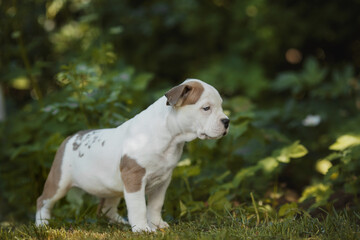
<point>69,65</point>
<point>339,169</point>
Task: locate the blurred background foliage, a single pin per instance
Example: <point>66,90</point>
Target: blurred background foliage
<point>288,72</point>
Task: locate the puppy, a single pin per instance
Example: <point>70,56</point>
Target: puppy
<point>137,158</point>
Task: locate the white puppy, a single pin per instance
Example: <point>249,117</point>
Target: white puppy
<point>136,158</point>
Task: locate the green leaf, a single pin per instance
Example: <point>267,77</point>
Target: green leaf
<point>223,176</point>
<point>186,171</point>
<point>283,159</point>
<point>295,150</point>
<point>313,74</point>
<point>269,164</point>
<point>344,142</point>
<point>288,209</point>
<point>183,209</point>
<point>286,80</point>
<point>194,206</point>
<point>218,200</point>
<point>320,192</point>
<point>245,173</point>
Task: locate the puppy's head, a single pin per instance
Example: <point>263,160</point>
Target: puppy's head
<point>198,109</point>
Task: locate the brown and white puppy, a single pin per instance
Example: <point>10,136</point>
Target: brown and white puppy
<point>137,158</point>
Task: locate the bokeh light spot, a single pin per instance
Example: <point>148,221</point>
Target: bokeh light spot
<point>293,56</point>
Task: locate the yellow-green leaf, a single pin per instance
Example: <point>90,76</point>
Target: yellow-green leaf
<point>345,142</point>
<point>183,209</point>
<point>298,151</point>
<point>269,164</point>
<point>283,158</point>
<point>295,150</point>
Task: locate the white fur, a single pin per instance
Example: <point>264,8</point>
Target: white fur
<point>155,139</point>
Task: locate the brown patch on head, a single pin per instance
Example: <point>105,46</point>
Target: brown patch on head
<point>131,174</point>
<point>52,181</point>
<point>184,94</point>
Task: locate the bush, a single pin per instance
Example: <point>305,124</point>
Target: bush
<point>77,65</point>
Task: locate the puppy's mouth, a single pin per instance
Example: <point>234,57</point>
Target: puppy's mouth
<point>205,136</point>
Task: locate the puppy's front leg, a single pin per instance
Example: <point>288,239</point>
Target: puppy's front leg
<point>136,207</point>
<point>155,203</point>
<point>132,175</point>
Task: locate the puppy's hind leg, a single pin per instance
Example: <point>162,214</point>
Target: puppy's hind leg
<point>108,207</point>
<point>46,202</point>
<point>56,186</point>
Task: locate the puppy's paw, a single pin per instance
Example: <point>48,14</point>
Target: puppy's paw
<point>119,219</point>
<point>144,228</point>
<point>122,220</point>
<point>163,224</point>
<point>41,222</point>
<point>160,225</point>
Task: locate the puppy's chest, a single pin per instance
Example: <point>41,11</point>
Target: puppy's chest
<point>158,173</point>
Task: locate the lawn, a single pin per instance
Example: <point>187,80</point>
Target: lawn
<point>234,225</point>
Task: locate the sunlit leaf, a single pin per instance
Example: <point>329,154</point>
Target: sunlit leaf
<point>321,192</point>
<point>323,166</point>
<point>345,142</point>
<point>296,150</point>
<point>269,164</point>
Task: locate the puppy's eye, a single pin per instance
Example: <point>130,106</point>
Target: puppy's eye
<point>206,108</point>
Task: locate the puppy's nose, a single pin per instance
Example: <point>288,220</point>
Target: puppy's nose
<point>226,122</point>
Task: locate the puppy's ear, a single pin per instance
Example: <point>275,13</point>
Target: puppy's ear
<point>184,94</point>
<point>176,95</point>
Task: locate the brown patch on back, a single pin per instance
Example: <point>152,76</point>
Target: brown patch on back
<point>79,136</point>
<point>131,174</point>
<point>52,181</point>
<point>84,132</point>
<point>184,94</point>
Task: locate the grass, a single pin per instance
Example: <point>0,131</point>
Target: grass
<point>208,226</point>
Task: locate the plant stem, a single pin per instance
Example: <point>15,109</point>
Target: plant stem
<point>256,209</point>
